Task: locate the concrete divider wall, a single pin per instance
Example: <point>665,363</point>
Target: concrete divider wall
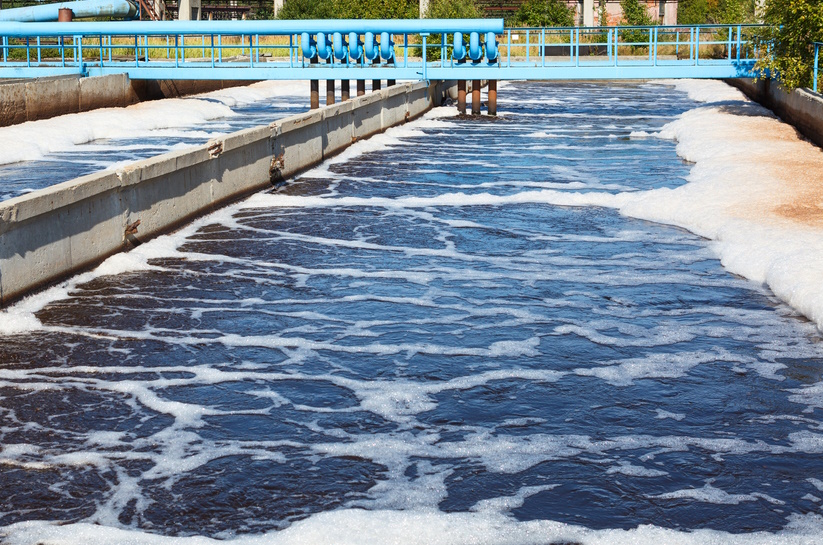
<point>50,234</point>
<point>802,108</point>
<point>42,98</point>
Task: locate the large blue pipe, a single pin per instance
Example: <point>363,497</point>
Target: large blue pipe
<point>84,8</point>
<point>271,28</point>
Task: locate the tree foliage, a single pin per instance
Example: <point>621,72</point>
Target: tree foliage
<point>349,9</point>
<point>635,13</point>
<point>701,12</point>
<point>793,26</point>
<point>446,9</point>
<point>452,9</point>
<point>544,13</point>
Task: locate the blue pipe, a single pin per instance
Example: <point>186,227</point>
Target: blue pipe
<point>371,51</point>
<point>308,45</point>
<point>386,46</point>
<point>475,53</point>
<point>459,52</point>
<point>491,46</point>
<point>355,47</point>
<point>81,9</point>
<point>340,46</point>
<point>323,49</point>
<point>266,28</point>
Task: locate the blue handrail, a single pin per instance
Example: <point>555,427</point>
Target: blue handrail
<point>266,28</point>
<point>816,56</point>
<point>354,49</point>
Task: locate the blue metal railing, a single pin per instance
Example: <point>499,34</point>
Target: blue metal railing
<point>817,46</point>
<point>354,49</point>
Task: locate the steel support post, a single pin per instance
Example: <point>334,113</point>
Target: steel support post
<point>461,97</point>
<point>315,89</point>
<point>344,90</point>
<point>361,87</point>
<point>315,94</point>
<point>329,87</point>
<point>329,91</point>
<point>492,105</point>
<point>375,83</point>
<point>476,97</point>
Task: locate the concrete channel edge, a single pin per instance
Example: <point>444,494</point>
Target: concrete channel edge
<point>53,233</point>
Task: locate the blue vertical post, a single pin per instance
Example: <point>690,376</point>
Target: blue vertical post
<point>656,37</point>
<point>677,44</point>
<point>527,47</point>
<point>816,56</point>
<point>443,49</point>
<point>509,47</point>
<point>739,43</point>
<point>577,47</point>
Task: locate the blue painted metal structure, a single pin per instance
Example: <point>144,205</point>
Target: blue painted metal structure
<point>817,46</point>
<point>374,49</point>
<point>82,8</point>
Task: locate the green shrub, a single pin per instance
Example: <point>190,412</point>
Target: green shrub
<point>446,9</point>
<point>793,26</point>
<point>544,13</point>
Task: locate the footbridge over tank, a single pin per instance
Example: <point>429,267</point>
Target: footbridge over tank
<point>428,49</point>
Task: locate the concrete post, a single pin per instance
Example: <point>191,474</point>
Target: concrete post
<point>344,90</point>
<point>492,106</point>
<point>424,7</point>
<point>361,87</point>
<point>588,12</point>
<point>188,10</point>
<point>278,5</point>
<point>461,97</point>
<point>476,97</point>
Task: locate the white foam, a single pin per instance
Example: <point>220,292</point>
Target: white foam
<point>36,139</point>
<point>704,90</point>
<point>711,494</point>
<point>656,365</point>
<point>661,414</point>
<point>627,468</point>
<point>420,527</point>
<point>751,191</point>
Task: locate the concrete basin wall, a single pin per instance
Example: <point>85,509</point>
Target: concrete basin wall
<point>24,100</point>
<point>48,235</point>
